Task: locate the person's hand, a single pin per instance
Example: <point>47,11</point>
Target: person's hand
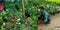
<point>45,21</point>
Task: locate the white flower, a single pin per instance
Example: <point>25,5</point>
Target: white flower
<point>20,9</point>
<point>18,19</point>
<point>4,24</point>
<point>47,5</point>
<point>6,9</point>
<point>39,10</point>
<point>19,23</point>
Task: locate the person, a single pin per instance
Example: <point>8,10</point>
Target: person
<point>1,5</point>
<point>45,16</point>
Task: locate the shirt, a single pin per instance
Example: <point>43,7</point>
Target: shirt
<point>46,15</point>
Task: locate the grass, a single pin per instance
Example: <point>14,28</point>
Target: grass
<point>57,1</point>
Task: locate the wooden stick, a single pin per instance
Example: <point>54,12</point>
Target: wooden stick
<point>23,7</point>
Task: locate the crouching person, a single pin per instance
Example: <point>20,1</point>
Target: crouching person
<point>44,15</point>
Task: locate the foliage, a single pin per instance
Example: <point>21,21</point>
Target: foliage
<point>13,18</point>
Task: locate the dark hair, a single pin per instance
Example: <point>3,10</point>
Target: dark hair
<point>41,7</point>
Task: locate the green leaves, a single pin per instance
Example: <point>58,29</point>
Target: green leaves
<point>2,28</point>
<point>16,17</point>
<point>32,11</point>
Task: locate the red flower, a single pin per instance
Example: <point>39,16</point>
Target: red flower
<point>1,6</point>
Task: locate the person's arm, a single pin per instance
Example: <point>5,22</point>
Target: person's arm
<point>46,17</point>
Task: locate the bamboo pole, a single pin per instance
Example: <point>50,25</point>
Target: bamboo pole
<point>23,8</point>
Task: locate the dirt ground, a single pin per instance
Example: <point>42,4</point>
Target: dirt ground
<point>54,24</point>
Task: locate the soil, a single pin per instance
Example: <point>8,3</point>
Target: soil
<point>55,23</point>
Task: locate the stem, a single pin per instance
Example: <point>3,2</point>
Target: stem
<point>23,8</point>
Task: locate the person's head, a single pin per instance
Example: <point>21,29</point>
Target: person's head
<point>41,9</point>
